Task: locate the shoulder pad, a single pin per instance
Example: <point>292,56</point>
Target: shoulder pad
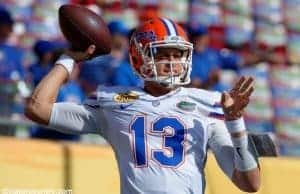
<point>205,97</point>
<point>209,102</point>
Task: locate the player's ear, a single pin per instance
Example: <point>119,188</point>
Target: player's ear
<point>91,49</point>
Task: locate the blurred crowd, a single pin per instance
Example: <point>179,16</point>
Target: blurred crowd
<point>217,61</point>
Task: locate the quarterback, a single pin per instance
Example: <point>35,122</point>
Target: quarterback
<point>160,133</point>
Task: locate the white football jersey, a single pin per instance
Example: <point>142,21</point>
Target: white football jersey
<point>160,143</point>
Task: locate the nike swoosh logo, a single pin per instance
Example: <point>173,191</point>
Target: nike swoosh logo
<point>124,106</point>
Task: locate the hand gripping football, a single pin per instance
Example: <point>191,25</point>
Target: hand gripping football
<point>82,27</point>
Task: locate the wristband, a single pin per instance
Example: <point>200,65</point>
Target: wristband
<point>244,160</point>
<point>236,126</point>
<point>67,62</point>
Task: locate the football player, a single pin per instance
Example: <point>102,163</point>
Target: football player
<point>160,133</point>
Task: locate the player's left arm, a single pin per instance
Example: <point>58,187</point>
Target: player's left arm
<point>246,174</point>
<point>222,147</point>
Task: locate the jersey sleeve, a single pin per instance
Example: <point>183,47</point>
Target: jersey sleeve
<point>220,143</point>
<point>75,119</point>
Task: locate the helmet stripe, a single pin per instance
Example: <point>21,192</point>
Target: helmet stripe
<point>176,32</point>
<point>166,26</point>
<point>170,27</point>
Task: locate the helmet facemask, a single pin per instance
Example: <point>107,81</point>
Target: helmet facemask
<point>148,71</point>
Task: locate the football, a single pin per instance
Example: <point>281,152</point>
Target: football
<point>82,27</point>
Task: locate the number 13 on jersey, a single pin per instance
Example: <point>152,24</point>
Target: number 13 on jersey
<point>172,143</point>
